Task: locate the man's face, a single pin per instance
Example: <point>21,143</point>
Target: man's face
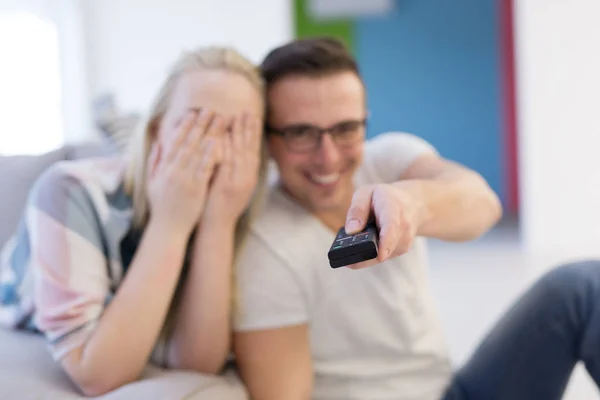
<point>318,173</point>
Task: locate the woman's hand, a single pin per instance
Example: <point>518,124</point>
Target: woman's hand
<point>201,338</point>
<point>178,179</point>
<point>237,174</point>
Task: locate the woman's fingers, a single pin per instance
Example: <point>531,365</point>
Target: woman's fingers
<point>204,153</point>
<point>217,127</point>
<point>202,168</point>
<point>195,138</point>
<point>207,139</point>
<point>238,137</point>
<point>199,131</point>
<point>226,167</point>
<point>181,132</point>
<point>153,160</point>
<point>253,134</point>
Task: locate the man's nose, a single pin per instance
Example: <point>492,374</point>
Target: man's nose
<point>327,152</point>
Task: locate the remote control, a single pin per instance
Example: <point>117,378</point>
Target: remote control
<point>351,249</point>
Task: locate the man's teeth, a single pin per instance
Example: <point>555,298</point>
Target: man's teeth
<point>325,179</point>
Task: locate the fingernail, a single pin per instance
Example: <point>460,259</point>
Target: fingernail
<point>353,225</point>
<point>386,254</point>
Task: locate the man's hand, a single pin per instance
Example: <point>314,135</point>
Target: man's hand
<point>433,198</point>
<point>398,216</point>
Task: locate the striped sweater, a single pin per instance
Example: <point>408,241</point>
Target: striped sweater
<point>70,252</point>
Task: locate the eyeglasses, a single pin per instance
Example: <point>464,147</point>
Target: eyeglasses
<point>305,138</point>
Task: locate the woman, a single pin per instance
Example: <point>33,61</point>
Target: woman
<point>118,260</point>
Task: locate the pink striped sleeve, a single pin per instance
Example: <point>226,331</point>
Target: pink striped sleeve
<point>70,276</point>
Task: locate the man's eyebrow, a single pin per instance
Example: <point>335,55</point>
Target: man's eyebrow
<point>299,125</point>
<point>307,125</point>
<point>349,120</point>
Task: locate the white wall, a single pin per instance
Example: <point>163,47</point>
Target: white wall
<point>45,75</point>
<point>558,67</point>
<point>77,117</point>
<point>131,43</point>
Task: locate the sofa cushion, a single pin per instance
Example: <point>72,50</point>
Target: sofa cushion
<point>17,175</point>
<point>27,371</point>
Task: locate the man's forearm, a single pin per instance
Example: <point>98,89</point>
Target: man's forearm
<point>201,338</point>
<point>455,205</point>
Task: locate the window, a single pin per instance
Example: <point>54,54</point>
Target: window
<point>30,85</point>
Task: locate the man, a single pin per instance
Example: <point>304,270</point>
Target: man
<point>371,331</point>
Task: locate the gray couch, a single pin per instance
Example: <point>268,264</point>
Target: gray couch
<point>27,370</point>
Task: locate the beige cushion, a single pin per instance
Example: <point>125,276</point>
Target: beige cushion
<point>27,371</point>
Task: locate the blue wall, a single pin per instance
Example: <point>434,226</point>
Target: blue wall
<point>432,68</point>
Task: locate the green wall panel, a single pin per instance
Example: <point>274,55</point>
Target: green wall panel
<point>305,26</point>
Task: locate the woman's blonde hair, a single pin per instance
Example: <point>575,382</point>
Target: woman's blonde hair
<point>220,58</point>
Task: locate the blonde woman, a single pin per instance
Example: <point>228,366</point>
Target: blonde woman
<point>126,259</point>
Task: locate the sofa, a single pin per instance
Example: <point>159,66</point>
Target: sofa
<point>27,371</point>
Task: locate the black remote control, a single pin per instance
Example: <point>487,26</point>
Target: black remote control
<point>351,249</point>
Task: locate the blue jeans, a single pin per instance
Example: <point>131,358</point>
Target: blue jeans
<point>530,354</point>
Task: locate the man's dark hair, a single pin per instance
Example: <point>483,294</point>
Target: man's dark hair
<point>314,57</point>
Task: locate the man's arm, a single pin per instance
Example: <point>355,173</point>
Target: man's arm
<point>275,363</point>
<point>457,203</point>
<point>434,197</point>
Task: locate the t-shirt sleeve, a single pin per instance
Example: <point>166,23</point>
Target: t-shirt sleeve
<point>70,274</point>
<point>270,294</point>
<point>388,155</point>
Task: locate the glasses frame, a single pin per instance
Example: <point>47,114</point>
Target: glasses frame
<point>321,132</point>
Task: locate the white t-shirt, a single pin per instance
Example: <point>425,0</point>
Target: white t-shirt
<point>374,332</point>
